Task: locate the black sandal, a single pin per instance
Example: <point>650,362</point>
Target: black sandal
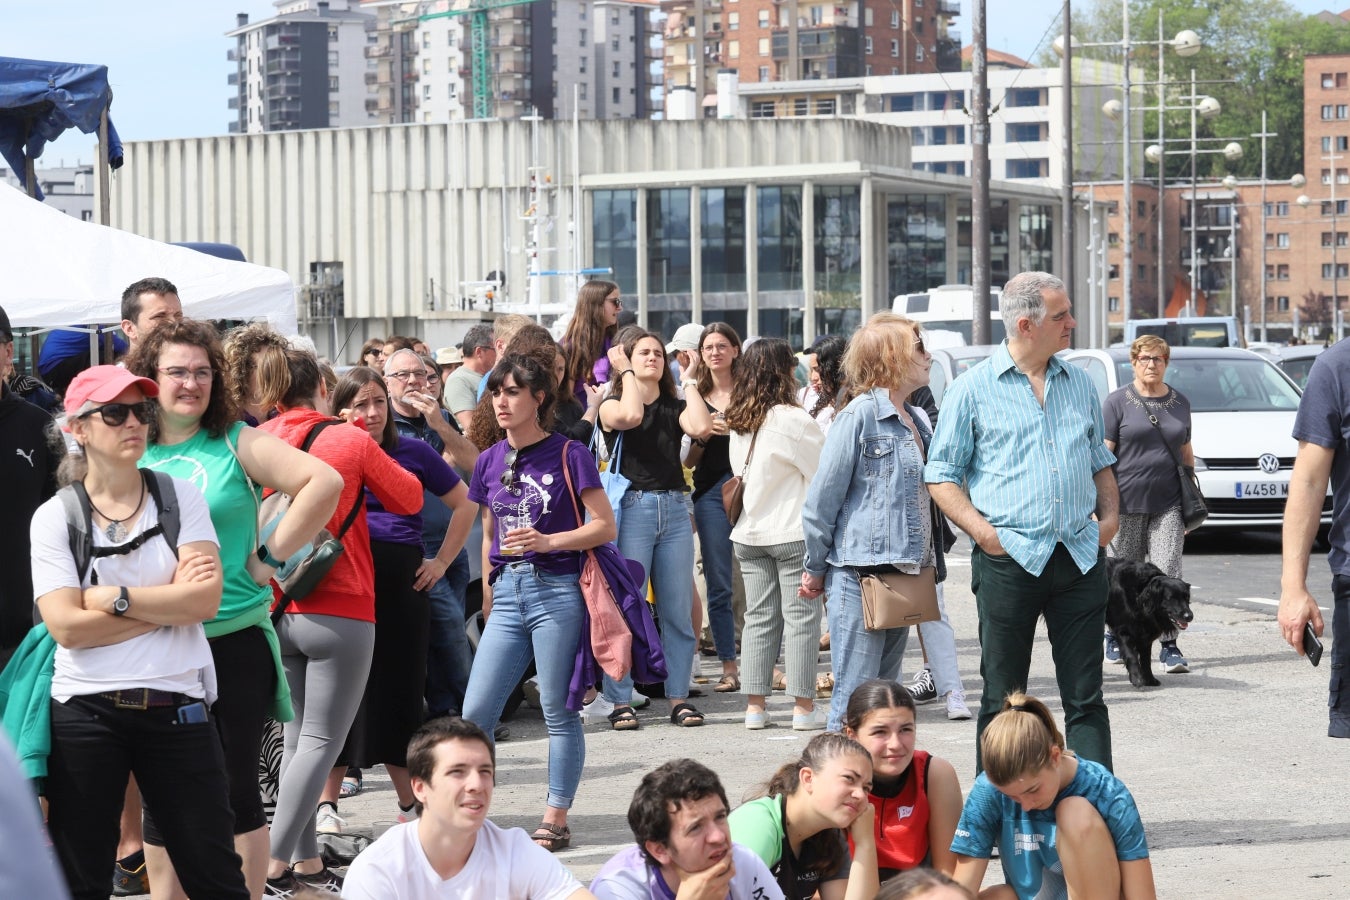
<point>551,837</point>
<point>623,719</point>
<point>684,715</point>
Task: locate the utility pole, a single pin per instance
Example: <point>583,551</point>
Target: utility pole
<point>979,188</point>
<point>1066,200</point>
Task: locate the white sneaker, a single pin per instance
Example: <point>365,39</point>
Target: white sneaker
<point>406,815</point>
<point>956,706</point>
<point>696,670</point>
<point>597,710</point>
<point>328,821</point>
<point>531,691</point>
<point>637,700</point>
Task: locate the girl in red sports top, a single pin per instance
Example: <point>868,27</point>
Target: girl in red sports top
<point>917,797</point>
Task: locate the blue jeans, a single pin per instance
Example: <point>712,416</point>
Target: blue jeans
<point>448,656</point>
<point>858,654</point>
<point>535,615</point>
<point>655,532</point>
<point>714,536</point>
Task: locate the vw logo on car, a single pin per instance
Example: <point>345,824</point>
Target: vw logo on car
<point>1269,463</point>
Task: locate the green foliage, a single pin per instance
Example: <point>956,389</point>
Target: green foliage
<point>1252,60</point>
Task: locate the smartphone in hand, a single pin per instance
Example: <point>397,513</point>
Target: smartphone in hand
<point>1312,647</point>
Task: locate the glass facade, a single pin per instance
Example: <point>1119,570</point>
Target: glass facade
<point>669,266</point>
<point>614,235</point>
<point>916,243</point>
<point>1036,239</point>
<point>780,238</point>
<point>838,253</point>
<point>723,239</point>
<point>998,242</point>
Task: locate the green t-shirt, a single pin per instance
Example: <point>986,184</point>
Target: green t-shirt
<point>758,825</point>
<point>211,466</point>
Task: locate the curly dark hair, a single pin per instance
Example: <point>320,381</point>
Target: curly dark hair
<point>829,352</point>
<point>661,792</point>
<point>143,360</point>
<point>763,381</point>
<point>532,341</point>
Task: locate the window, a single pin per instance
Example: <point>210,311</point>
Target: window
<point>1326,112</point>
<point>332,110</point>
<point>1142,271</point>
<point>1328,80</point>
<point>614,44</point>
<point>1342,111</point>
<point>761,109</point>
<point>582,64</point>
<point>895,18</point>
<point>824,107</point>
<point>1027,168</point>
<point>723,238</point>
<point>764,51</point>
<point>1023,97</point>
<point>733,21</point>
<point>764,18</point>
<point>1113,208</point>
<point>817,15</point>
<point>332,59</point>
<point>939,135</point>
<point>1140,208</point>
<point>1270,273</point>
<point>1326,145</point>
<point>801,107</point>
<point>1326,239</point>
<point>1282,272</point>
<point>733,52</point>
<point>332,34</point>
<point>1282,304</point>
<point>1114,271</point>
<point>1113,304</point>
<point>764,73</point>
<point>918,26</point>
<point>1282,240</point>
<point>918,52</point>
<point>618,67</point>
<point>867,45</point>
<point>1341,207</point>
<point>1112,239</point>
<point>1341,79</point>
<point>332,83</point>
<point>895,48</point>
<point>426,92</point>
<point>582,42</point>
<point>1342,270</point>
<point>616,95</point>
<point>1023,131</point>
<point>1343,143</point>
<point>581,90</point>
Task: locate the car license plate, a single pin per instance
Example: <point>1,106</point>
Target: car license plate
<point>1254,490</point>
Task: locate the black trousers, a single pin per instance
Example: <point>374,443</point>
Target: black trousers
<point>1338,700</point>
<point>181,772</point>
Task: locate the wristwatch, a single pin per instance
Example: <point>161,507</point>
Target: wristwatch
<point>122,603</point>
<point>265,556</point>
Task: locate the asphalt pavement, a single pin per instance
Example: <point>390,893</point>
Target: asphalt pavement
<point>1230,765</point>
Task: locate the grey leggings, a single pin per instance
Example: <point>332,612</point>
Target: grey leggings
<point>327,659</point>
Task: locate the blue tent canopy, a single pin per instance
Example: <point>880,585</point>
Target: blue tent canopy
<point>40,100</point>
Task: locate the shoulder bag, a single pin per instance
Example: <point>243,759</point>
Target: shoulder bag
<point>1194,510</point>
<point>733,492</point>
<point>892,599</point>
<point>611,639</point>
<point>614,483</point>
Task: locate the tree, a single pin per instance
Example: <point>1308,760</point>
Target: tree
<point>1315,312</point>
<point>1252,61</point>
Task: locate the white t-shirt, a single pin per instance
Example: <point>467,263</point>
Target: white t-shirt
<point>628,876</point>
<point>171,658</point>
<point>504,863</point>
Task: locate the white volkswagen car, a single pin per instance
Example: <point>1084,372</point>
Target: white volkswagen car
<point>1242,418</point>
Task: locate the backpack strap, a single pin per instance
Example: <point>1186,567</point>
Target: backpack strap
<point>360,492</point>
<point>80,521</point>
<point>160,486</point>
<point>79,525</point>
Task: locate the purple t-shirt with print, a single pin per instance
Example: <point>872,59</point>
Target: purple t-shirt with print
<point>539,490</point>
<point>419,458</point>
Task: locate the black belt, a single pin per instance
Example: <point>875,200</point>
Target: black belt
<point>145,698</point>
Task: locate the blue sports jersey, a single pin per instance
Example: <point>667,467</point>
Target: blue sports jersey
<point>1026,838</point>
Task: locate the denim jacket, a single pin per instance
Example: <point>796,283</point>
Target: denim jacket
<point>863,507</point>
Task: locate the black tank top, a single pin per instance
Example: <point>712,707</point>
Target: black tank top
<point>651,449</point>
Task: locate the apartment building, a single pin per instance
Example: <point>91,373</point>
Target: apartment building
<point>793,40</point>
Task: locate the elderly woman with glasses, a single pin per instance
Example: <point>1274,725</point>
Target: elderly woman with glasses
<point>392,707</point>
<point>1151,529</point>
<point>532,487</point>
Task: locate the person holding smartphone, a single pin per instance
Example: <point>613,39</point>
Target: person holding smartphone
<point>133,677</point>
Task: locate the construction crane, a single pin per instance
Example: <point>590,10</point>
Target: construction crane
<point>480,60</point>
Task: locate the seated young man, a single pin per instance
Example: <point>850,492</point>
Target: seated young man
<point>684,849</point>
<point>452,849</point>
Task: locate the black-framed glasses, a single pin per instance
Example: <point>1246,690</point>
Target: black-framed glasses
<point>509,475</point>
<point>183,376</point>
<point>408,375</point>
<point>1151,360</point>
<point>115,414</point>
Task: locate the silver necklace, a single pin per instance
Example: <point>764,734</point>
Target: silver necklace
<point>116,531</point>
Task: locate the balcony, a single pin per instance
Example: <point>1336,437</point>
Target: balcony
<point>232,103</point>
<point>232,79</point>
<point>949,7</point>
<point>232,55</point>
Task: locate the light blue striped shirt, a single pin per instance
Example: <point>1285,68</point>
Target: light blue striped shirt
<point>1028,468</point>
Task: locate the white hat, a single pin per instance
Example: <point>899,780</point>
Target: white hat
<point>686,338</point>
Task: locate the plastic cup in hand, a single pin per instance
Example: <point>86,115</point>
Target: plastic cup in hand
<point>507,522</point>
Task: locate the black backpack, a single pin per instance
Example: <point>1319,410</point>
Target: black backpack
<point>80,521</point>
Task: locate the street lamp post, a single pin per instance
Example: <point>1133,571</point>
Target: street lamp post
<point>1186,43</point>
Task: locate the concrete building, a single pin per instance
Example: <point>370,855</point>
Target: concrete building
<point>303,68</point>
<point>792,40</point>
<point>68,188</point>
<point>780,227</point>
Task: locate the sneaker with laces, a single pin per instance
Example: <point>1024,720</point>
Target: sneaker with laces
<point>922,688</point>
<point>1172,660</point>
<point>328,821</point>
<point>956,706</point>
<point>285,885</point>
<point>129,876</point>
<point>597,710</point>
<point>323,881</point>
<point>1112,650</point>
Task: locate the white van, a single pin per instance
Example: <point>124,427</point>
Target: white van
<point>945,314</point>
<point>1187,331</point>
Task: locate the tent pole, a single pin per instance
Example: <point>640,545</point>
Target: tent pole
<point>104,201</point>
<point>29,172</point>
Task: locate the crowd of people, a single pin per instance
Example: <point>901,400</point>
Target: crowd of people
<point>142,684</point>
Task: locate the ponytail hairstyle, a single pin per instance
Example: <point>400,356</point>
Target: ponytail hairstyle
<point>829,852</point>
<point>829,352</point>
<point>1018,740</point>
<point>872,695</point>
<point>304,375</point>
<point>256,368</point>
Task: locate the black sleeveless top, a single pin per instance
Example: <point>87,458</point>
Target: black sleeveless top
<point>651,450</point>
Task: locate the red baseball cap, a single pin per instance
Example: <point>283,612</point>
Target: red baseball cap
<point>101,384</point>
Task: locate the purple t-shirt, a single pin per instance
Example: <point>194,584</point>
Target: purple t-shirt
<point>539,490</point>
<point>436,476</point>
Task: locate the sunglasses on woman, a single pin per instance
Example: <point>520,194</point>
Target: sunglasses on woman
<point>115,414</point>
<point>509,476</point>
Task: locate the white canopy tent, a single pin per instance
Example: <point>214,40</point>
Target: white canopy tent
<point>59,271</point>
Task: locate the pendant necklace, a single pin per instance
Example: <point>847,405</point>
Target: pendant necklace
<point>116,531</point>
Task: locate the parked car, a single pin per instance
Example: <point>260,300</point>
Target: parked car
<point>950,362</point>
<point>1242,417</point>
<point>1297,361</point>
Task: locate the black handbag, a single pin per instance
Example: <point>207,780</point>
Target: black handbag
<point>1194,510</point>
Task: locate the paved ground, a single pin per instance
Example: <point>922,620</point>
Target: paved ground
<point>1239,787</point>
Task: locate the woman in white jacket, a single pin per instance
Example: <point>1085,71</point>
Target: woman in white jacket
<point>775,446</point>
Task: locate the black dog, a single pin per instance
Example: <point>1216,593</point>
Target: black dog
<point>1143,605</point>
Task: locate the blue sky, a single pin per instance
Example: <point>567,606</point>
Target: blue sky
<point>166,58</point>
